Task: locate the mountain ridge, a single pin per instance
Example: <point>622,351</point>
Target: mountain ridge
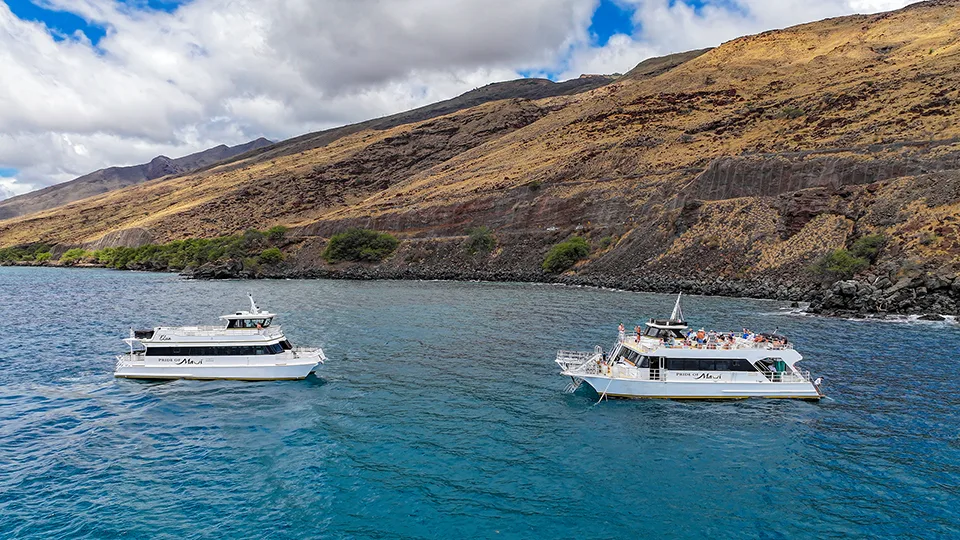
<point>110,178</point>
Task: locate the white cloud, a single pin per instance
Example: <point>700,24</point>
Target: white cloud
<point>9,187</point>
<point>664,26</point>
<point>228,71</point>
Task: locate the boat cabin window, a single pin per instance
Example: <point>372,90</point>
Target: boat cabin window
<point>709,364</point>
<point>630,356</point>
<point>773,364</point>
<point>249,323</point>
<point>218,350</point>
<point>663,333</point>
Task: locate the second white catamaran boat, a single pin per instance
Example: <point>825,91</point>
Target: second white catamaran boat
<point>247,347</point>
<point>668,361</point>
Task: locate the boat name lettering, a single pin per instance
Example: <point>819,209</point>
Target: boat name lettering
<point>698,376</point>
<point>164,338</point>
<point>182,361</point>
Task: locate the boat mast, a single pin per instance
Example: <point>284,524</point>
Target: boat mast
<point>677,314</point>
<point>253,306</point>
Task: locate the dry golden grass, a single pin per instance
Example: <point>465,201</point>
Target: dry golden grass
<point>839,83</point>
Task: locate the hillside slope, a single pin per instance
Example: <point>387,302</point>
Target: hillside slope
<point>113,178</point>
<point>729,171</point>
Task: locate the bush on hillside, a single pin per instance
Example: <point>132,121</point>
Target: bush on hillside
<point>253,238</point>
<point>275,233</point>
<point>840,264</point>
<point>359,245</point>
<point>43,256</point>
<point>25,252</point>
<point>791,112</point>
<point>480,240</point>
<point>71,256</point>
<point>565,254</point>
<point>868,247</point>
<point>271,256</point>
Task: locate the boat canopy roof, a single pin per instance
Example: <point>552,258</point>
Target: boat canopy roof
<point>248,315</point>
<point>254,313</point>
<point>667,324</point>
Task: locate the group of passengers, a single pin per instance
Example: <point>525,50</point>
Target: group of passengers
<point>701,338</point>
<point>713,340</point>
<point>723,340</point>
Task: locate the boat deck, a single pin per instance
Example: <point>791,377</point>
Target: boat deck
<point>216,331</point>
<point>647,344</point>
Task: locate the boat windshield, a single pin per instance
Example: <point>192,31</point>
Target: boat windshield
<point>663,333</point>
<point>249,323</point>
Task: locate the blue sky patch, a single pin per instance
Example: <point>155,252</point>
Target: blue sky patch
<point>61,23</point>
<point>8,172</point>
<point>610,18</point>
<point>157,5</point>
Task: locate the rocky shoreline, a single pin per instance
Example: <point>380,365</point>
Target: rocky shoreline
<point>929,297</point>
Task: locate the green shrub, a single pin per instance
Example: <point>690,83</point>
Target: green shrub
<point>253,238</point>
<point>605,242</point>
<point>711,242</point>
<point>275,233</point>
<point>791,112</point>
<point>175,255</point>
<point>867,247</point>
<point>359,245</point>
<point>480,240</point>
<point>71,256</point>
<point>565,254</point>
<point>251,264</point>
<point>535,185</point>
<point>25,252</point>
<point>840,264</point>
<point>271,256</point>
<point>43,256</point>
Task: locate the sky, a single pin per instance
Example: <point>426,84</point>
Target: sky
<point>87,84</point>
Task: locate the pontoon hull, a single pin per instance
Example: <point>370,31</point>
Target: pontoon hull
<point>639,389</point>
<point>241,373</point>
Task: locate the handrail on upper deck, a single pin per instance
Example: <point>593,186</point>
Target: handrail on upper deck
<point>221,330</point>
<point>726,346</point>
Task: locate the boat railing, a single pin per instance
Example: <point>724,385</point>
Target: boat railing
<point>220,331</point>
<point>575,359</point>
<point>789,376</point>
<point>591,366</point>
<point>727,346</point>
<point>127,359</point>
<point>297,351</point>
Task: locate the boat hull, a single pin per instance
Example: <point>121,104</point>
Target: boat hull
<point>641,389</point>
<point>239,373</point>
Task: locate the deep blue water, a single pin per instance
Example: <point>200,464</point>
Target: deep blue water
<point>440,414</point>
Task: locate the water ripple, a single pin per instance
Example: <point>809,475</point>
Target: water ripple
<point>440,412</point>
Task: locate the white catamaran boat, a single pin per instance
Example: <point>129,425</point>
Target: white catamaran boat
<point>248,347</point>
<point>668,361</point>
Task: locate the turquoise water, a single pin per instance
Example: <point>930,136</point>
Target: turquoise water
<point>440,413</point>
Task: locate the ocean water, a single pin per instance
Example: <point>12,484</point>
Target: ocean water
<point>440,414</point>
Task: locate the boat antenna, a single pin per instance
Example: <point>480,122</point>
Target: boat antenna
<point>253,306</point>
<point>677,314</point>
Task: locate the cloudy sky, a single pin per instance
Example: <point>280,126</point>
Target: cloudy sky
<point>86,84</point>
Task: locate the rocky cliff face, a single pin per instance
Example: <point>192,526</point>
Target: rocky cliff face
<point>728,171</point>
